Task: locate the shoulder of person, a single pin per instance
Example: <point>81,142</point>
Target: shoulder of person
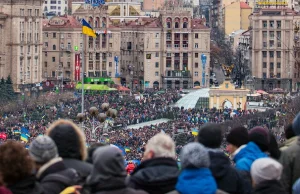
<point>221,192</point>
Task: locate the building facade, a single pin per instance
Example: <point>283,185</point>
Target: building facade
<point>272,49</point>
<point>57,7</point>
<point>165,52</point>
<point>21,42</point>
<point>62,40</point>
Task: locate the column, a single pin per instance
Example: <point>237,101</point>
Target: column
<point>218,101</point>
<point>234,102</point>
<point>211,102</point>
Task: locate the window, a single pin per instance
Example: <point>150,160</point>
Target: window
<point>54,35</point>
<point>29,12</point>
<point>196,55</point>
<point>271,65</point>
<point>54,47</point>
<point>110,64</point>
<point>196,65</point>
<point>35,49</point>
<point>156,35</point>
<point>278,24</point>
<point>278,75</point>
<point>265,24</point>
<point>169,54</point>
<point>22,12</point>
<point>196,45</point>
<point>157,54</point>
<point>156,73</point>
<point>45,64</point>
<point>176,24</point>
<point>37,12</point>
<point>46,54</point>
<point>265,34</point>
<point>264,64</point>
<point>184,25</point>
<point>109,74</point>
<point>46,34</point>
<point>278,53</point>
<point>53,59</point>
<point>271,34</point>
<point>271,54</point>
<point>156,45</point>
<point>168,24</point>
<point>196,35</point>
<point>271,43</point>
<point>110,45</point>
<point>265,44</point>
<point>278,65</point>
<point>264,53</point>
<point>264,75</point>
<point>279,44</point>
<point>156,64</point>
<point>272,24</point>
<point>196,73</point>
<point>46,44</point>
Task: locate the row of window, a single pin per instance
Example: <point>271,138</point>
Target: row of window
<point>271,75</point>
<point>28,49</point>
<point>56,2</point>
<point>271,54</point>
<point>196,74</point>
<point>177,25</point>
<point>272,24</point>
<point>29,12</point>
<point>272,65</point>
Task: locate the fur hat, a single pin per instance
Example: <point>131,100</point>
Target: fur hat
<point>194,155</point>
<point>265,169</point>
<point>260,136</point>
<point>238,136</point>
<point>69,139</point>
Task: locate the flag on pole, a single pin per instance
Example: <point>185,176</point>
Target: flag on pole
<point>87,29</point>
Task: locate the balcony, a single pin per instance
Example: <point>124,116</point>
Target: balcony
<point>177,74</point>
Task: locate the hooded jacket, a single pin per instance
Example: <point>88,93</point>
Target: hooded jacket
<point>272,187</point>
<point>26,186</point>
<point>288,143</point>
<point>246,156</point>
<point>70,142</point>
<point>54,177</point>
<point>289,159</point>
<point>108,174</point>
<point>228,179</point>
<point>156,176</point>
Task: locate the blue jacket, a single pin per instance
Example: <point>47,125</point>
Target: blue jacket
<point>196,181</point>
<point>246,156</point>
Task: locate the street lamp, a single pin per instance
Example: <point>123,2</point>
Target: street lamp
<point>101,117</point>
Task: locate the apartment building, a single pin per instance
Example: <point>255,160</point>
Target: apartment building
<point>62,38</point>
<point>272,49</point>
<point>165,52</point>
<point>21,42</point>
<point>57,7</point>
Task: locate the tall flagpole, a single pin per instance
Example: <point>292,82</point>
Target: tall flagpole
<point>82,78</point>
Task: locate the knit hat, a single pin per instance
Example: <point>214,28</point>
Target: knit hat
<point>43,149</point>
<point>194,155</point>
<point>210,135</point>
<point>296,124</point>
<point>260,137</point>
<point>238,136</point>
<point>265,169</point>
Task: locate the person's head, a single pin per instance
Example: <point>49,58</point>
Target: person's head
<point>15,162</point>
<point>237,137</point>
<point>108,163</point>
<point>296,124</point>
<point>194,155</point>
<point>69,139</point>
<point>260,136</point>
<point>160,145</point>
<point>265,169</point>
<point>289,132</point>
<point>42,150</point>
<point>210,135</point>
<point>91,151</point>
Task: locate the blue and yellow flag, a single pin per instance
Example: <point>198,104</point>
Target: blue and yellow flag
<point>24,137</point>
<point>87,29</point>
<point>195,132</point>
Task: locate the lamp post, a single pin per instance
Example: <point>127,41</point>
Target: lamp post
<point>96,116</point>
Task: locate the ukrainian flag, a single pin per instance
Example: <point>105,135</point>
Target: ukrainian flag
<point>195,132</point>
<point>24,137</point>
<point>127,149</point>
<point>87,29</point>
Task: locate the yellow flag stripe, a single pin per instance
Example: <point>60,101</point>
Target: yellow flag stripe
<point>88,31</point>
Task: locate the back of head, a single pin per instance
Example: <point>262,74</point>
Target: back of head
<point>15,163</point>
<point>161,145</point>
<point>91,151</point>
<point>69,139</point>
<point>42,149</point>
<point>194,155</point>
<point>238,136</point>
<point>296,124</point>
<point>289,132</point>
<point>260,136</point>
<point>265,169</point>
<point>108,163</point>
<point>210,135</point>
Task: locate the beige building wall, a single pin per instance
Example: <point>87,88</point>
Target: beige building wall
<point>21,42</point>
<point>152,5</point>
<point>232,17</point>
<point>245,22</point>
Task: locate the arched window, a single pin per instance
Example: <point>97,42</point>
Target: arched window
<point>54,47</point>
<point>176,24</point>
<point>168,24</point>
<point>185,24</point>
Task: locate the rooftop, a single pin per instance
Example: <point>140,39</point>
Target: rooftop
<point>62,22</point>
<point>244,5</point>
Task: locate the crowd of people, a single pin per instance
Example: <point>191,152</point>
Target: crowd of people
<point>59,162</point>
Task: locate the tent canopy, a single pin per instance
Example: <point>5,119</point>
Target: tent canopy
<point>94,87</point>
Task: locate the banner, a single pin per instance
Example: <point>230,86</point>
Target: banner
<point>77,67</point>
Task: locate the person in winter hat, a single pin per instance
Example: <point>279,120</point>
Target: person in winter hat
<point>16,169</point>
<point>290,137</point>
<point>195,177</point>
<point>288,157</point>
<point>227,177</point>
<point>108,174</point>
<point>71,146</point>
<point>158,172</point>
<point>266,173</point>
<point>237,139</point>
<point>259,143</point>
<point>51,171</point>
